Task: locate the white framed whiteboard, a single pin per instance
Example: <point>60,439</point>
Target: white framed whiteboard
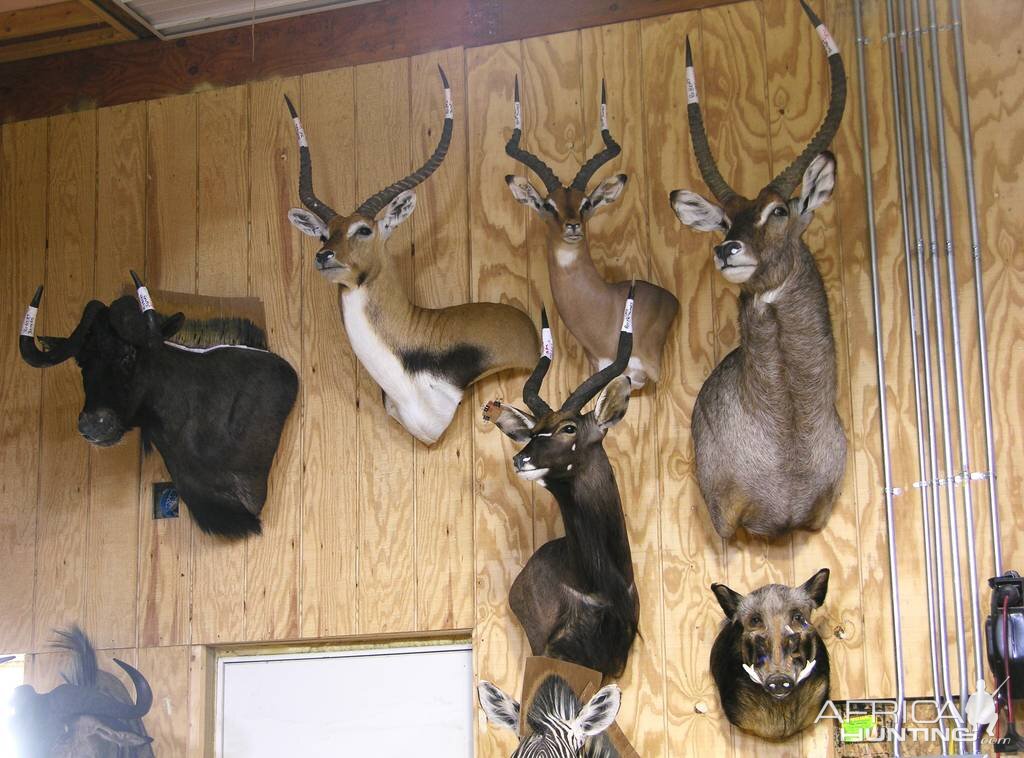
<point>382,702</point>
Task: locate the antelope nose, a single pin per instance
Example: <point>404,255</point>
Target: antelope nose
<point>323,256</point>
<point>727,250</point>
<point>520,461</point>
<point>572,228</point>
<point>779,685</point>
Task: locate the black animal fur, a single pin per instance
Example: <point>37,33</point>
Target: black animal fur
<point>459,365</point>
<point>752,709</point>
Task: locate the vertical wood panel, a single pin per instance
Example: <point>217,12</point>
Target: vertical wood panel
<point>165,545</point>
<point>503,531</point>
<point>222,268</point>
<point>693,556</point>
<point>272,569</point>
<point>620,247</point>
<point>167,670</point>
<point>331,476</point>
<point>23,208</point>
<point>387,574</point>
<point>64,455</point>
<point>111,569</point>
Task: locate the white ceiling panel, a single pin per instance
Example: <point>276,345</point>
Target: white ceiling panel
<point>175,18</point>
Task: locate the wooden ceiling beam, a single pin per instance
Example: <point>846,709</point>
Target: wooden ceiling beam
<point>146,69</point>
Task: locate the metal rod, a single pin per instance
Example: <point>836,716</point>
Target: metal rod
<point>940,345</point>
<point>979,295</point>
<point>954,318</point>
<point>898,51</point>
<point>890,524</point>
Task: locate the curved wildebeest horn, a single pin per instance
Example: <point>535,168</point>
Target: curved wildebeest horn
<point>787,180</point>
<point>71,700</point>
<point>148,311</point>
<point>531,390</point>
<point>528,159</point>
<point>5,658</point>
<point>586,391</point>
<point>371,207</point>
<point>611,149</point>
<point>60,348</point>
<point>306,194</point>
<point>701,150</point>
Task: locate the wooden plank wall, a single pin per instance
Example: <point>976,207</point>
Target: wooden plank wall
<point>368,532</point>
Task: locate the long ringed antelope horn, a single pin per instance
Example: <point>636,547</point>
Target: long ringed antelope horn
<point>531,390</point>
<point>701,149</point>
<point>306,194</point>
<point>611,149</point>
<point>788,179</point>
<point>586,391</point>
<point>371,207</point>
<point>60,348</point>
<point>528,159</point>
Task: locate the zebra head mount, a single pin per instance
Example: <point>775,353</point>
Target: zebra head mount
<point>562,727</point>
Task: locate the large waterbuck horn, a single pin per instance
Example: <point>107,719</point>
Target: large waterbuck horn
<point>371,207</point>
<point>586,391</point>
<point>611,148</point>
<point>531,390</point>
<point>788,179</point>
<point>528,159</point>
<point>306,194</point>
<point>60,348</point>
<point>148,311</point>
<point>701,149</point>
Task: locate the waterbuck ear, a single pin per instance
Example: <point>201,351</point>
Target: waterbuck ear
<point>501,710</point>
<point>817,587</point>
<point>599,713</point>
<point>698,213</point>
<point>727,598</point>
<point>612,402</point>
<point>607,192</point>
<point>397,211</point>
<point>308,223</point>
<point>524,192</point>
<point>513,422</point>
<point>818,183</point>
<point>172,324</point>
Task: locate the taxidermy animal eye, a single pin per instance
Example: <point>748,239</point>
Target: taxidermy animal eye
<point>364,231</point>
<point>569,429</point>
<point>780,211</point>
<point>798,617</point>
<point>755,620</point>
<point>585,205</point>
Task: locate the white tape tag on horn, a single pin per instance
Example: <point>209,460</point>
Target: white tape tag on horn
<point>831,48</point>
<point>449,109</point>
<point>517,115</point>
<point>604,117</point>
<point>548,345</point>
<point>751,673</point>
<point>807,670</point>
<point>301,132</point>
<point>145,303</point>
<point>28,324</point>
<point>627,317</point>
<point>691,85</point>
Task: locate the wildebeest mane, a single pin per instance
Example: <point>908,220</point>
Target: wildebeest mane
<point>200,333</point>
<point>83,669</point>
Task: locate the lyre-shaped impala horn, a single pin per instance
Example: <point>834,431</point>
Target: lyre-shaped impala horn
<point>611,149</point>
<point>528,159</point>
<point>531,390</point>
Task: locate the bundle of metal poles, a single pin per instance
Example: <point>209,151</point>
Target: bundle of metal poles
<point>945,475</point>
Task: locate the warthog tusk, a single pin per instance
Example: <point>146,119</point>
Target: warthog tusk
<point>751,673</point>
<point>807,670</point>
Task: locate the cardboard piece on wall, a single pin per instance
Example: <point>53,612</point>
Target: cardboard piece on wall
<point>205,307</point>
<point>584,682</point>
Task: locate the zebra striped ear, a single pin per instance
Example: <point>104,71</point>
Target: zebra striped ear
<point>501,710</point>
<point>599,714</point>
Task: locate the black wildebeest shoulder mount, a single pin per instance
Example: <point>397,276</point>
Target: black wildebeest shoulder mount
<point>214,413</point>
<point>576,598</point>
<point>769,446</point>
<point>91,715</point>
<point>423,359</point>
<point>769,663</point>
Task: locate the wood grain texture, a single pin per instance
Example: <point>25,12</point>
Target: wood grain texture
<point>167,671</point>
<point>111,568</point>
<point>387,570</point>
<point>444,471</point>
<point>23,155</point>
<point>272,560</point>
<point>222,268</point>
<point>331,479</point>
<point>165,545</point>
<point>63,509</point>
